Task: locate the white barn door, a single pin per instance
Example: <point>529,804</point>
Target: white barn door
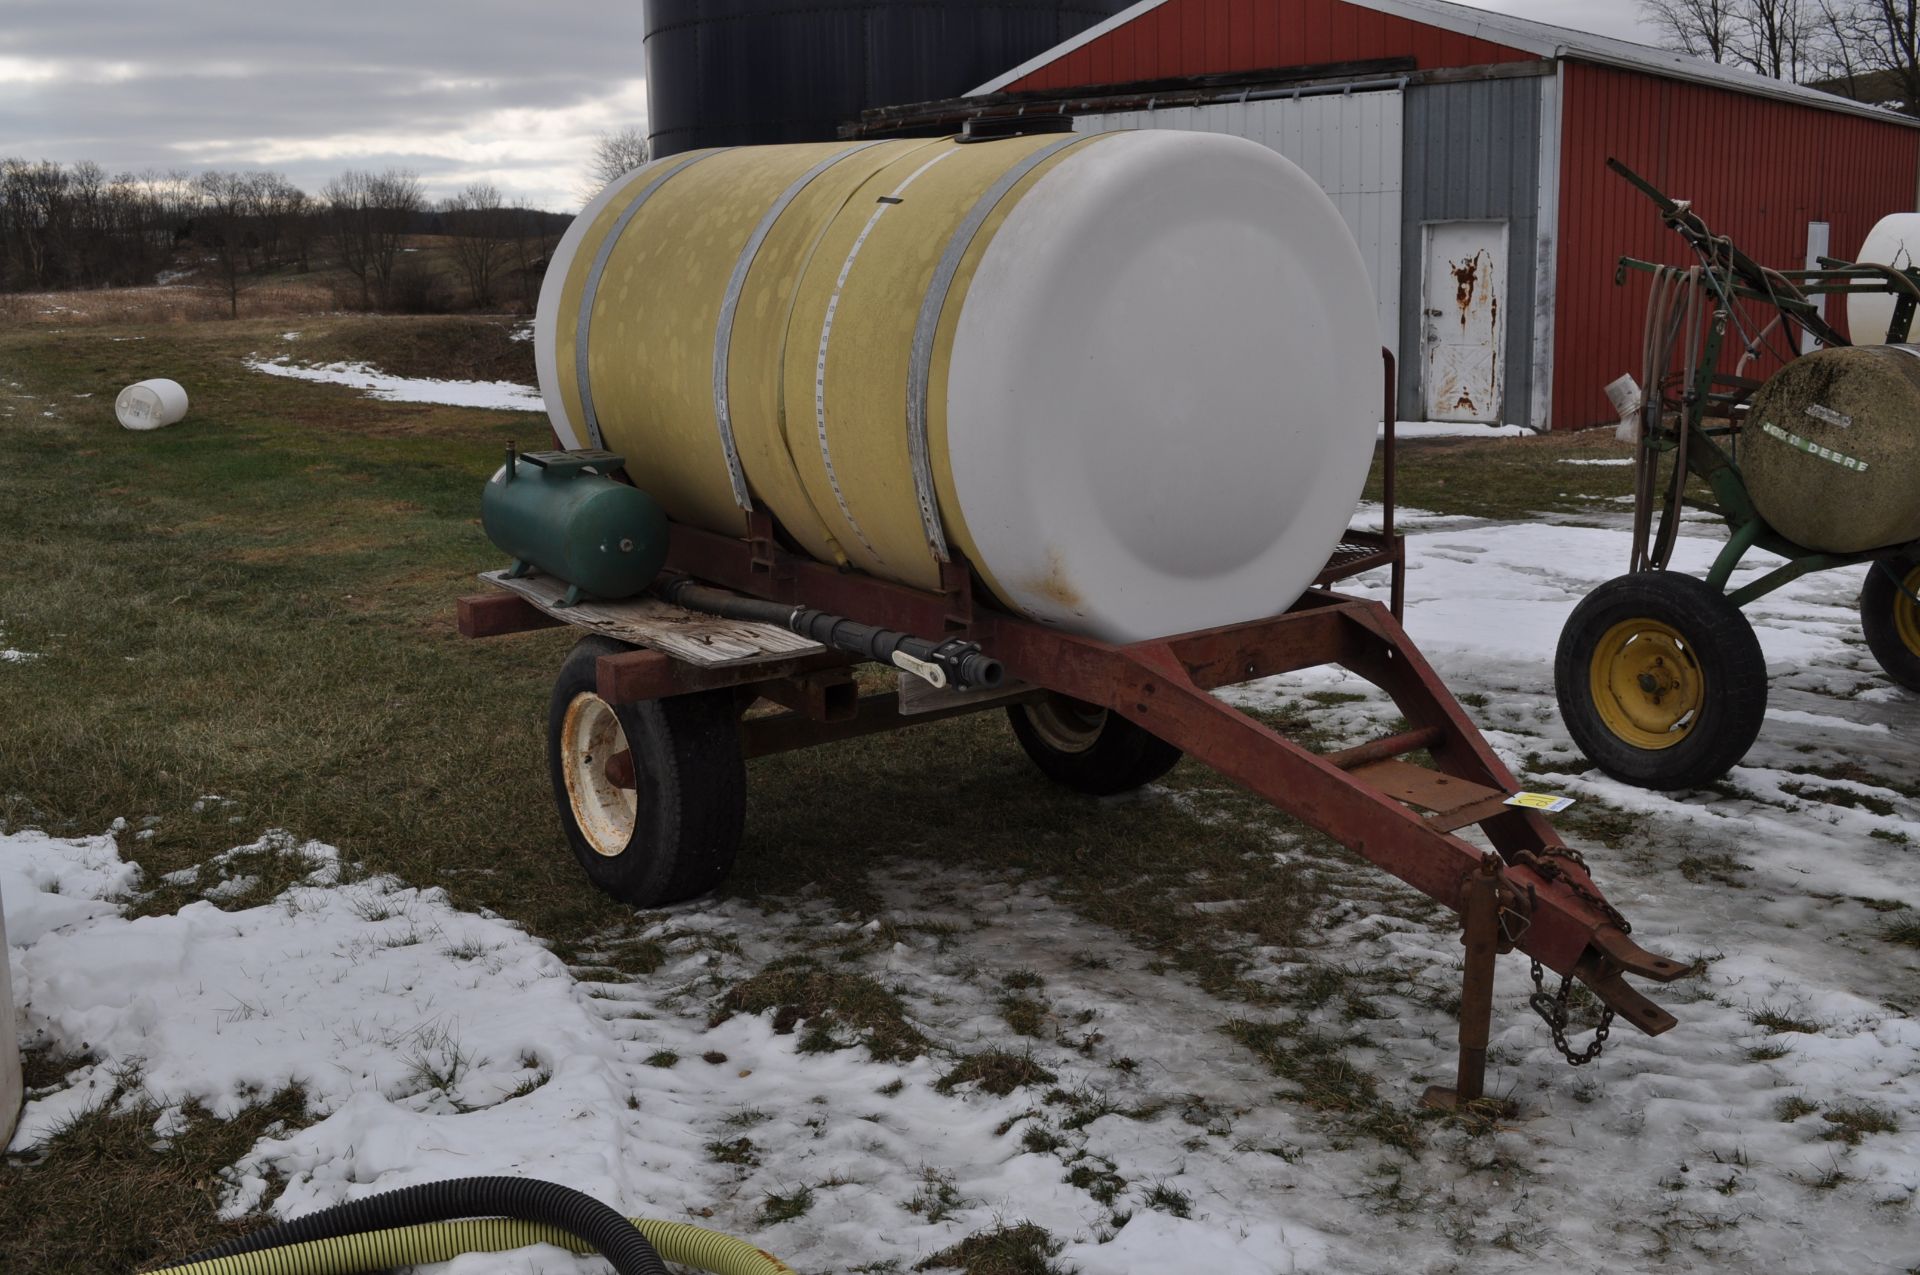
<point>1463,326</point>
<point>1347,142</point>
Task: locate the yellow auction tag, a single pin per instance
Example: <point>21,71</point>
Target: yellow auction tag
<point>1540,801</point>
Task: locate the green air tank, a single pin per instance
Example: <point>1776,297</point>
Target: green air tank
<point>559,514</point>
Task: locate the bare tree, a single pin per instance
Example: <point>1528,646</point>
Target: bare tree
<point>394,198</point>
<point>479,226</point>
<point>367,216</point>
<point>349,220</point>
<point>533,241</point>
<point>1882,38</point>
<point>1703,28</point>
<point>223,229</point>
<point>615,154</point>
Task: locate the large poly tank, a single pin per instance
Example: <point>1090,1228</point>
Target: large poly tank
<point>1831,447</point>
<point>1893,241</point>
<point>1134,377</point>
<point>744,72</point>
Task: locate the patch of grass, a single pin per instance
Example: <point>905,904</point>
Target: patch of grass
<point>103,1194</point>
<point>1023,1015</point>
<point>1168,1200</point>
<point>1098,1177</point>
<point>799,990</point>
<point>1327,1081</point>
<point>892,1088</point>
<point>776,1208</point>
<point>662,1058</point>
<point>1904,931</point>
<point>1774,1020</point>
<point>1719,868</point>
<point>1508,478</point>
<point>747,1118</point>
<point>936,1199</point>
<point>1849,1122</point>
<point>1768,1052</point>
<point>1022,980</point>
<point>733,1151</point>
<point>1040,1138</point>
<point>1019,1249</point>
<point>1836,796</point>
<point>1793,1107</point>
<point>995,1071</point>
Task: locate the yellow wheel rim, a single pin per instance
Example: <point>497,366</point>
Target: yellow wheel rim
<point>1906,614</point>
<point>1646,683</point>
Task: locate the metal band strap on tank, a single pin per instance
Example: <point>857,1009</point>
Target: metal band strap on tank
<point>592,288</point>
<point>919,371</point>
<point>826,334</point>
<point>723,332</point>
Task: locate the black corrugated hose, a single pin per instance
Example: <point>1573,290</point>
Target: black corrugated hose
<point>523,1199</point>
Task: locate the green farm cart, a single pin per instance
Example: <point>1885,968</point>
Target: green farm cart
<point>1659,676</point>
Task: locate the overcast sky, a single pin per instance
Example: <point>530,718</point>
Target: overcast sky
<point>514,91</point>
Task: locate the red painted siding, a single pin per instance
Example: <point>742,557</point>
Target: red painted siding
<point>1213,37</point>
<point>1756,169</point>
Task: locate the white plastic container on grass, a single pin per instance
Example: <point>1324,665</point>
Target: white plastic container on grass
<point>150,404</point>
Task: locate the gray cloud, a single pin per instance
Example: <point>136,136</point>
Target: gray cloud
<point>501,89</point>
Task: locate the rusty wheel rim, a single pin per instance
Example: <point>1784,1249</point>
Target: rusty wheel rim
<point>590,740</point>
<point>1067,725</point>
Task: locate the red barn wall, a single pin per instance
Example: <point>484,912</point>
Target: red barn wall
<point>1755,168</point>
<point>1214,37</point>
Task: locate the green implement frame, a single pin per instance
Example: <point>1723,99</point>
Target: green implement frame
<point>1659,676</point>
<point>1675,415</point>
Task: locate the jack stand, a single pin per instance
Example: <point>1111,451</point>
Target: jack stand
<point>1480,919</point>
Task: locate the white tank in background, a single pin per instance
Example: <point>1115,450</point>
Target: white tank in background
<point>1893,241</point>
<point>150,404</point>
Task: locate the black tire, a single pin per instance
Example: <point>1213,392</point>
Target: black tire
<point>689,785</point>
<point>1890,618</point>
<point>1089,749</point>
<point>1644,647</point>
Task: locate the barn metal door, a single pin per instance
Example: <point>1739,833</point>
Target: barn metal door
<point>1462,321</point>
<point>1348,142</point>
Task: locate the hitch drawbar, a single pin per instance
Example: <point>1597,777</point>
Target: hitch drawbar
<point>952,662</point>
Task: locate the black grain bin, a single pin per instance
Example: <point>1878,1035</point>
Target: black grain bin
<point>738,72</point>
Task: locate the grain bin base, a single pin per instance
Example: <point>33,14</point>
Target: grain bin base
<point>1530,892</point>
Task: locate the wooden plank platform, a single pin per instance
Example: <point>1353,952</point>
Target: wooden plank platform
<point>697,638</point>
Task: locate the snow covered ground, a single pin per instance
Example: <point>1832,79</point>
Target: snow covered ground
<point>506,396</point>
<point>1777,1128</point>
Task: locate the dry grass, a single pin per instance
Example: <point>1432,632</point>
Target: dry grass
<point>1021,1249</point>
<point>104,1194</point>
<point>832,1005</point>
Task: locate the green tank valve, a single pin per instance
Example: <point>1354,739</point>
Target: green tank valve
<point>560,513</point>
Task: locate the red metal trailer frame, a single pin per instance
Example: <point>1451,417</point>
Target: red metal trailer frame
<point>1529,892</point>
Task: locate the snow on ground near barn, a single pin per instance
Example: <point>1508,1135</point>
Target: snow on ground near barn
<point>1777,1128</point>
<point>506,396</point>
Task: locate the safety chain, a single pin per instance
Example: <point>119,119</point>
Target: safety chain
<point>1554,1009</point>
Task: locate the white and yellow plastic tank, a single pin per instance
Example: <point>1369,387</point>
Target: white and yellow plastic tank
<point>1133,378</point>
